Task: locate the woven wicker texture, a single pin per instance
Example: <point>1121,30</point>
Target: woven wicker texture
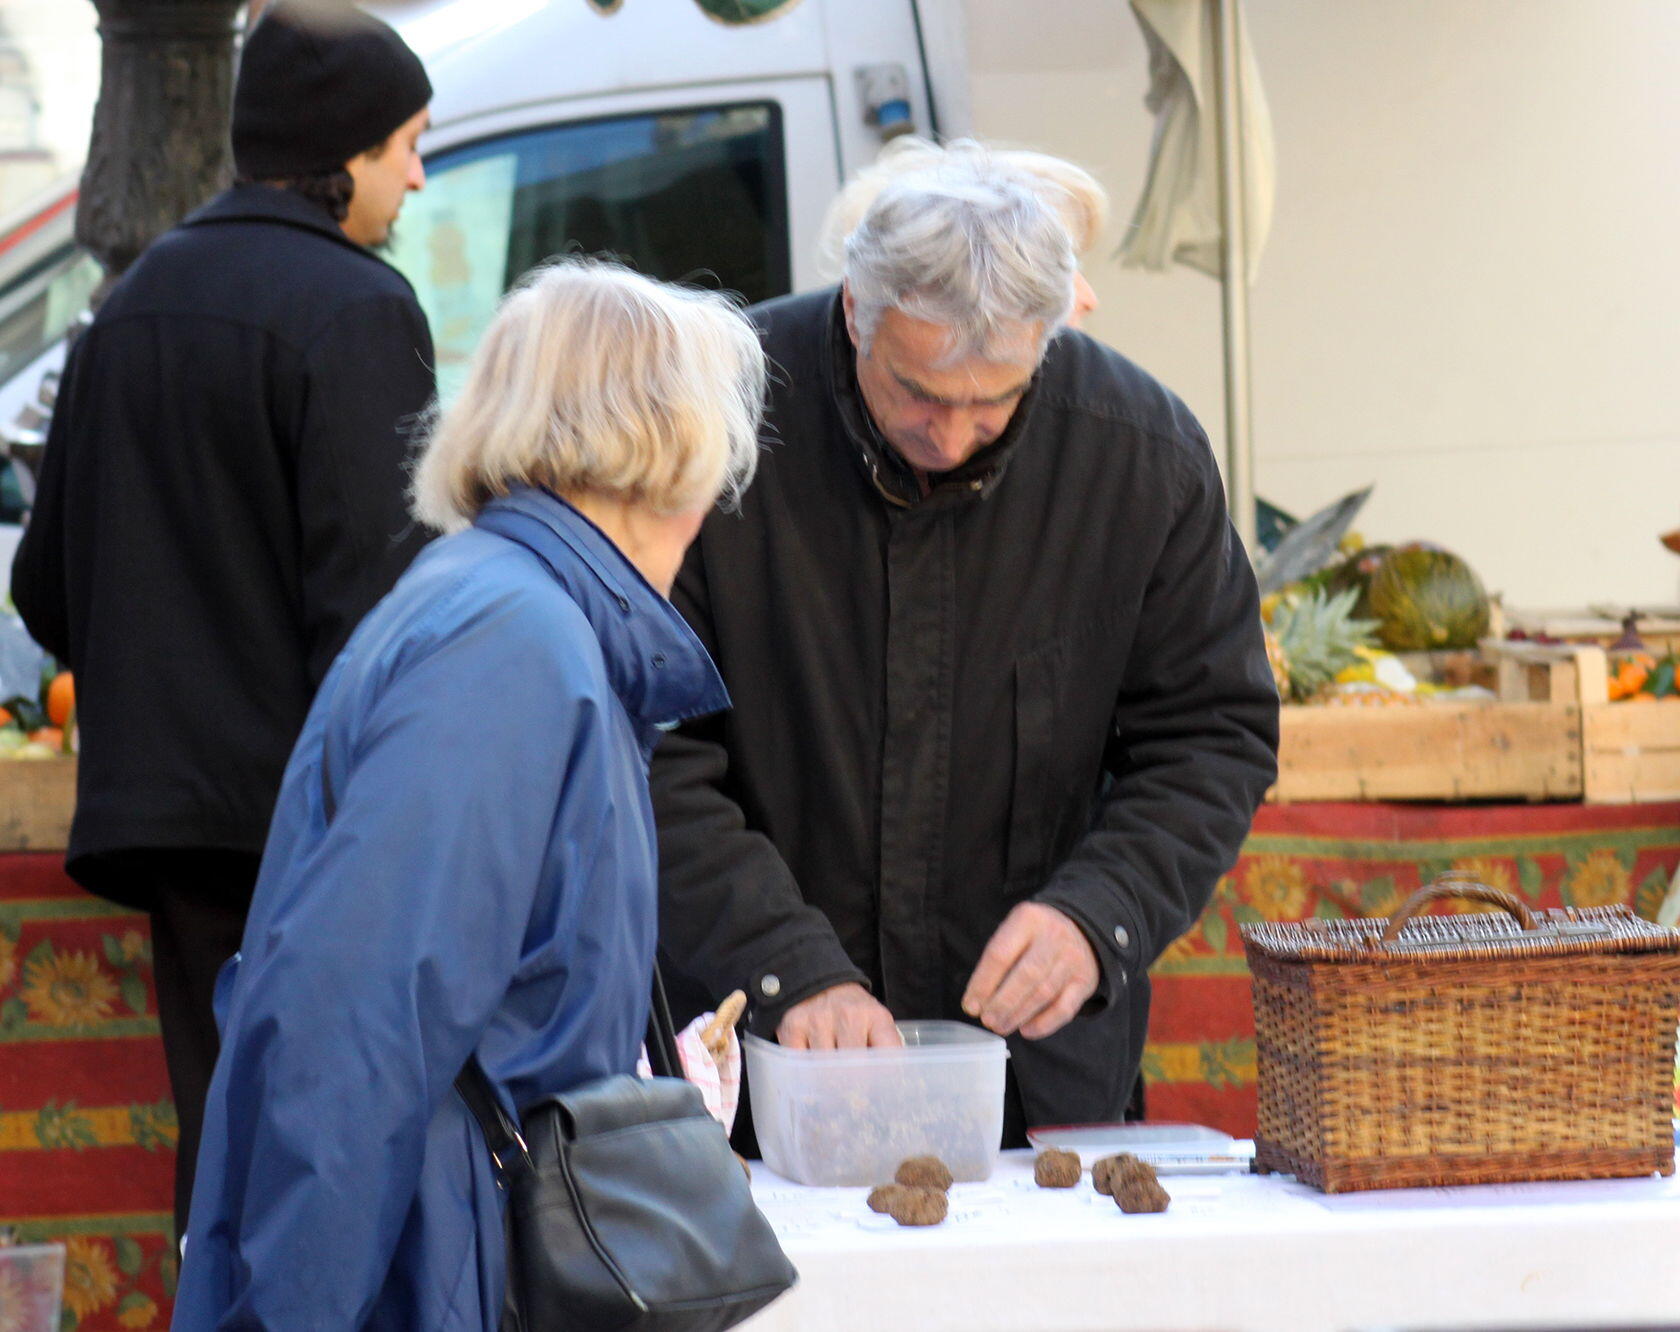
<point>1465,1049</point>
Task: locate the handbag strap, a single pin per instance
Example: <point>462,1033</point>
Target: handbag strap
<point>663,1056</point>
<point>506,1143</point>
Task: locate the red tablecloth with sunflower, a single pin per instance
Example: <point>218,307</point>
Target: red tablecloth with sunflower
<point>87,1129</point>
<point>1360,860</point>
<point>87,1132</point>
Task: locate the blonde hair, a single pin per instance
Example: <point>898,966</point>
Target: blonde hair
<point>1071,191</point>
<point>594,379</point>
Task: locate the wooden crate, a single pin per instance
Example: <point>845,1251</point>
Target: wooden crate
<point>37,798</point>
<point>1526,746</point>
<point>1631,752</point>
<point>1437,751</point>
<point>1659,630</point>
<point>1551,736</point>
<point>1549,673</point>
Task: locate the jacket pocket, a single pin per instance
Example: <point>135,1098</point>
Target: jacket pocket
<point>1065,694</point>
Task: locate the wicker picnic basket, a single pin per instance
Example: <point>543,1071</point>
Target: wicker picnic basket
<point>1467,1049</point>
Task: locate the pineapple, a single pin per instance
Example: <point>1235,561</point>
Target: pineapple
<point>1278,660</point>
<point>1318,637</point>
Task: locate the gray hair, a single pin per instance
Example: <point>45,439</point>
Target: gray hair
<point>1072,191</point>
<point>967,244</point>
<point>594,379</point>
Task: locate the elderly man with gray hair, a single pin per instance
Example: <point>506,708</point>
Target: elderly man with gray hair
<point>1002,708</point>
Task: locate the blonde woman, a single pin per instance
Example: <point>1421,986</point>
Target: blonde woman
<point>462,859</point>
<point>1080,203</point>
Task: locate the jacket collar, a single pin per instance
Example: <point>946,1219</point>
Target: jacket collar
<point>655,664</point>
<point>269,203</point>
<point>890,475</point>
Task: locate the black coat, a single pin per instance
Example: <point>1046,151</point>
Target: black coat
<point>1045,681</point>
<point>221,499</point>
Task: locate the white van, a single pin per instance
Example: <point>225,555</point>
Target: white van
<point>692,148</point>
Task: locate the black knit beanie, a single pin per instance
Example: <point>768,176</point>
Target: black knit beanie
<point>320,82</point>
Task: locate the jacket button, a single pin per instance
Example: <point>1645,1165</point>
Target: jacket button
<point>1121,937</point>
<point>770,986</point>
<point>658,660</point>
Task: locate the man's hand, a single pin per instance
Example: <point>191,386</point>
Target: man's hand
<point>1036,973</point>
<point>845,1017</point>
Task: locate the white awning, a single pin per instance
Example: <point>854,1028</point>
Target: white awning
<point>1177,218</point>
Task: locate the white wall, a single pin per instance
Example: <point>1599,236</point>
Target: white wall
<point>1471,294</point>
<point>61,40</point>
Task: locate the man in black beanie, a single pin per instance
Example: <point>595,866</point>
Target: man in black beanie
<point>222,497</point>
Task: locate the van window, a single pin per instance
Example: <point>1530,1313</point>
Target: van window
<point>12,507</point>
<point>696,195</point>
<point>37,309</point>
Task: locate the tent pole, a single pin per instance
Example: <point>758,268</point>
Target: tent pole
<point>1239,445</point>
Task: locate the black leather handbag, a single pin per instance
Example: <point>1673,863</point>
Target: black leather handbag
<point>625,1206</point>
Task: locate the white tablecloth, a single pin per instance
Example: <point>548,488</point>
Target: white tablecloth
<point>1232,1252</point>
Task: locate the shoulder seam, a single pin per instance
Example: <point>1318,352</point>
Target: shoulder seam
<point>1115,417</point>
<point>135,316</point>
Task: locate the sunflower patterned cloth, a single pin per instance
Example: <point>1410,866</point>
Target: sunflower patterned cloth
<point>87,1129</point>
<point>87,1132</point>
<point>1341,860</point>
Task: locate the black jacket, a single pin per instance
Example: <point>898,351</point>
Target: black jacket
<point>221,499</point>
<point>1044,681</point>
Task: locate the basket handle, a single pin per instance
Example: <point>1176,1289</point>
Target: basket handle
<point>1456,883</point>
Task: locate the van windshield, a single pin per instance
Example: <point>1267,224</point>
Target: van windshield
<point>693,195</point>
<point>38,307</point>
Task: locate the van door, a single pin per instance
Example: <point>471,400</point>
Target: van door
<point>719,186</point>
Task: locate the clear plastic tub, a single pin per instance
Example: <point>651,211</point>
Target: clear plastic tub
<point>31,1286</point>
<point>848,1117</point>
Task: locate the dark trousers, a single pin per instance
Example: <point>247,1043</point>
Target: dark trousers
<point>199,901</point>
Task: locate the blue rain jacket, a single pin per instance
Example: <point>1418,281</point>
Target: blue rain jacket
<point>462,858</point>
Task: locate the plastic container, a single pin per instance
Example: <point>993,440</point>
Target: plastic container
<point>848,1117</point>
<point>31,1286</point>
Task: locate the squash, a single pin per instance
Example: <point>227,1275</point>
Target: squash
<point>1425,598</point>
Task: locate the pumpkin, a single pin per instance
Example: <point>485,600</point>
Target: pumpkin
<point>1425,598</point>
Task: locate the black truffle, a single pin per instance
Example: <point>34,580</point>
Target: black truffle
<point>1136,1189</point>
<point>1054,1169</point>
<point>881,1197</point>
<point>924,1172</point>
<point>1103,1171</point>
<point>913,1206</point>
